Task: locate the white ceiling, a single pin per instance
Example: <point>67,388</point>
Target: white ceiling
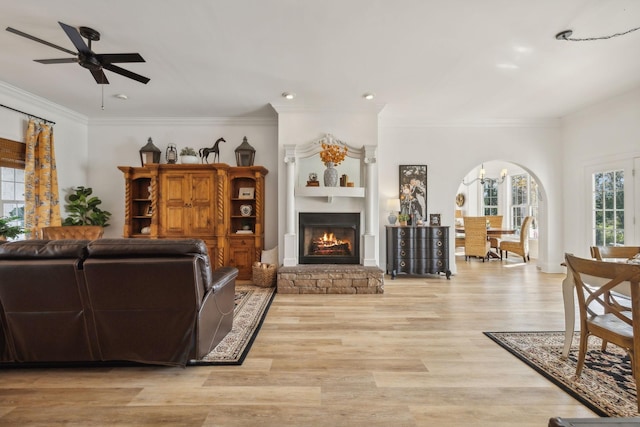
<point>430,59</point>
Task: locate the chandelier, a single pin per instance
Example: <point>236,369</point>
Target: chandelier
<point>483,177</point>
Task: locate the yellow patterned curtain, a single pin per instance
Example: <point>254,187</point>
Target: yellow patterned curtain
<point>42,207</point>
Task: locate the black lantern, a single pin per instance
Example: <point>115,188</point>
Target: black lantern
<point>245,153</point>
<point>149,153</point>
<point>171,154</point>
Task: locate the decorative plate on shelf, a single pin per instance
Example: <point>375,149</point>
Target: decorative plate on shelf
<point>245,210</point>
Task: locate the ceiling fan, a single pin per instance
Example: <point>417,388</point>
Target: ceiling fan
<point>94,62</point>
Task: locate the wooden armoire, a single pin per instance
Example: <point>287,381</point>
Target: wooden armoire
<point>218,203</point>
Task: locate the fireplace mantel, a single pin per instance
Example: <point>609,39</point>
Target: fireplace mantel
<point>297,197</point>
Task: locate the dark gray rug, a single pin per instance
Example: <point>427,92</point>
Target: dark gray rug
<point>606,385</point>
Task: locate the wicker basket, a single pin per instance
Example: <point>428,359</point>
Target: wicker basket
<point>264,275</point>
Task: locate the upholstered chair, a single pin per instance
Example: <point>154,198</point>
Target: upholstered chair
<point>475,237</point>
<point>520,247</point>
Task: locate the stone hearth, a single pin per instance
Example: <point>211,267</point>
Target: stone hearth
<point>330,279</point>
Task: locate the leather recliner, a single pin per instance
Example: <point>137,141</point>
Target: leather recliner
<point>141,300</point>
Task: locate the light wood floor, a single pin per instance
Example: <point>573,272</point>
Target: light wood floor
<point>415,356</point>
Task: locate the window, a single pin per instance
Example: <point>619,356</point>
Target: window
<point>608,208</point>
<point>12,194</point>
<point>524,202</point>
<point>490,197</point>
<point>12,158</point>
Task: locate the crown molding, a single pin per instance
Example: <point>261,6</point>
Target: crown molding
<point>418,122</point>
<point>35,101</point>
<point>365,108</point>
<point>185,121</point>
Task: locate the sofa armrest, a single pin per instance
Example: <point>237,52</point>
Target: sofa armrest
<point>221,277</point>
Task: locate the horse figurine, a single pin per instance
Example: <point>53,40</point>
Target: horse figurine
<point>204,152</point>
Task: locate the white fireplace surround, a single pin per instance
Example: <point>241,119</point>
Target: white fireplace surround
<point>362,198</point>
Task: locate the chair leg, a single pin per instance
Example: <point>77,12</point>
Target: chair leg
<point>582,352</point>
<point>524,258</point>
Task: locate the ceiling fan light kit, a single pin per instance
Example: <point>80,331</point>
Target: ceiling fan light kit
<point>95,63</point>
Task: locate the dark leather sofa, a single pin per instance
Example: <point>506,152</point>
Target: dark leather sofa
<point>107,300</point>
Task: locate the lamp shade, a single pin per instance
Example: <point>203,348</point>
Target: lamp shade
<point>149,153</point>
<point>245,153</point>
<point>393,205</point>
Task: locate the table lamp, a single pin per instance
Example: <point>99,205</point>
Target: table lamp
<point>394,207</point>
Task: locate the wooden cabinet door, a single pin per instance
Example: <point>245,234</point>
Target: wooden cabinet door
<point>174,199</point>
<point>241,256</point>
<point>201,208</point>
<point>188,204</point>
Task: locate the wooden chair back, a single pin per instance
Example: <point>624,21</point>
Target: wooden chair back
<point>475,236</point>
<point>601,312</point>
<point>602,253</point>
<point>90,232</point>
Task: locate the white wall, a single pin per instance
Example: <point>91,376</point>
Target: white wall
<point>450,152</point>
<point>605,133</point>
<point>115,143</point>
<point>69,133</point>
<point>88,154</point>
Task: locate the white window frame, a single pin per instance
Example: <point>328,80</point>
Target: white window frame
<point>627,166</point>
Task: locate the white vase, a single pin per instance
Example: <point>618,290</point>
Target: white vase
<point>330,175</point>
<point>188,159</point>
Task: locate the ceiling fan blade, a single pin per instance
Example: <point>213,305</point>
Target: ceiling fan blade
<point>126,73</point>
<point>57,61</point>
<point>35,39</point>
<point>100,77</point>
<point>75,37</point>
<point>110,58</point>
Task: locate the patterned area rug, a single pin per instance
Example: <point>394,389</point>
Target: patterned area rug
<point>606,385</point>
<point>252,304</point>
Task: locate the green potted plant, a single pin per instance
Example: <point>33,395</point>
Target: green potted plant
<point>83,209</point>
<point>8,227</point>
<point>403,218</point>
<point>188,155</point>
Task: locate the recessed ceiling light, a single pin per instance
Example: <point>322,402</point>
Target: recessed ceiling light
<point>288,95</point>
<point>121,96</point>
<point>368,95</point>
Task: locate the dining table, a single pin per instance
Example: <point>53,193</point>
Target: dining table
<point>491,232</point>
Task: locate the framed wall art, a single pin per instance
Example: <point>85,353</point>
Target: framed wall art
<point>413,191</point>
<point>246,193</point>
<point>434,220</point>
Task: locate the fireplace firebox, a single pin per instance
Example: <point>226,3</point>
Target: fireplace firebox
<point>329,238</point>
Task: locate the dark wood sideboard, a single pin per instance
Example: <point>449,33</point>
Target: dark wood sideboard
<point>417,250</point>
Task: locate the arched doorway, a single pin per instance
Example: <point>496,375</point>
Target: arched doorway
<point>498,187</point>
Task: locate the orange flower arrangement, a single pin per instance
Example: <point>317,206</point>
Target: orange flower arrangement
<point>333,153</point>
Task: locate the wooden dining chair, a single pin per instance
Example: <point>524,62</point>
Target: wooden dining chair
<point>495,221</point>
<point>520,247</point>
<point>601,314</point>
<point>603,253</point>
<point>475,237</point>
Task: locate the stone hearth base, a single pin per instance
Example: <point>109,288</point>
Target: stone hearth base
<point>330,279</point>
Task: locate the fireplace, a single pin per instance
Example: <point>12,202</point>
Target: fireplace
<point>329,238</point>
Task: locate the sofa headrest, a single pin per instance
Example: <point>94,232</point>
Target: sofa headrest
<point>44,249</point>
<point>145,247</point>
